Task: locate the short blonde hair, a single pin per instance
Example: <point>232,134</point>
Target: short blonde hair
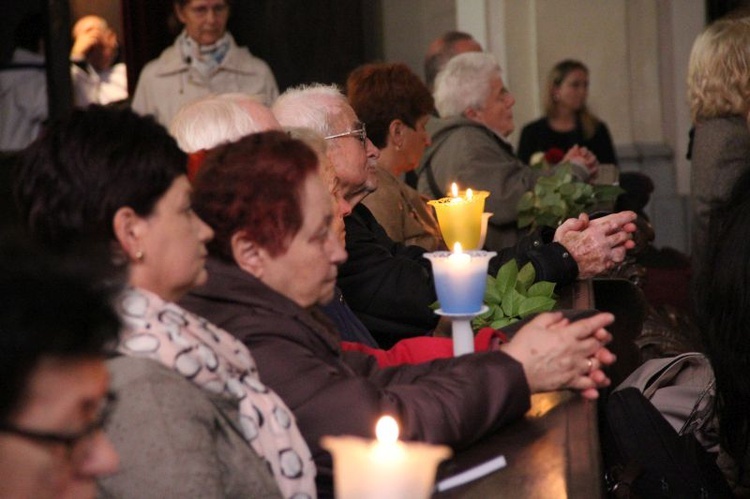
<point>719,70</point>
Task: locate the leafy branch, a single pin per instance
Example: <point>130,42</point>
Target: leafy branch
<point>559,196</point>
<point>513,295</point>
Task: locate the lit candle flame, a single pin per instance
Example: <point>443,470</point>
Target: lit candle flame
<point>386,430</point>
<point>454,190</point>
<point>469,194</point>
<point>458,258</point>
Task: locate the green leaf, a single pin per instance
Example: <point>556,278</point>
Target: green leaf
<point>501,323</point>
<point>497,313</point>
<point>542,288</point>
<point>534,305</point>
<point>551,199</point>
<point>492,295</point>
<point>435,305</point>
<point>567,190</point>
<point>511,302</point>
<point>526,277</point>
<point>506,277</point>
<point>524,220</point>
<point>527,201</point>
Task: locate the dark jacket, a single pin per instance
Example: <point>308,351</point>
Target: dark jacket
<point>449,401</point>
<point>721,154</point>
<point>387,284</point>
<point>538,136</point>
<point>390,288</point>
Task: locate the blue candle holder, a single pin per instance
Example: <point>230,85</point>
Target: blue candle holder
<point>460,281</point>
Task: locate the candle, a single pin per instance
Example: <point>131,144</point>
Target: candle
<point>460,279</point>
<point>460,217</point>
<point>385,468</point>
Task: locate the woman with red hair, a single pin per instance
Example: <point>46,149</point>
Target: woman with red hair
<point>274,259</point>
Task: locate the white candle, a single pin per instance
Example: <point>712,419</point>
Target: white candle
<point>460,279</point>
<point>385,468</point>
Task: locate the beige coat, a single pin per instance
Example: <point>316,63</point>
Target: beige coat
<point>167,83</point>
<point>403,213</point>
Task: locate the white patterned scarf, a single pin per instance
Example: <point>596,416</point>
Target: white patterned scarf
<point>219,363</point>
<point>204,58</point>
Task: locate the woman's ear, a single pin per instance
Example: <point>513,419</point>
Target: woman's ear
<point>248,256</point>
<point>396,133</point>
<point>128,228</point>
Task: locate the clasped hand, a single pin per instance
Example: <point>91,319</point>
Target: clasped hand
<point>559,354</point>
<point>597,245</point>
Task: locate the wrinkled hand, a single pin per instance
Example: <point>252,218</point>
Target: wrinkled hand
<point>597,245</point>
<point>557,354</point>
<point>583,157</point>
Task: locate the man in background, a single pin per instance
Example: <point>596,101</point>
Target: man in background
<point>97,77</point>
<point>443,49</point>
<point>23,87</point>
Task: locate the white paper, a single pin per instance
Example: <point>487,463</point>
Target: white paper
<point>471,474</point>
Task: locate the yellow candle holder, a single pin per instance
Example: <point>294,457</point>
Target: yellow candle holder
<point>460,218</point>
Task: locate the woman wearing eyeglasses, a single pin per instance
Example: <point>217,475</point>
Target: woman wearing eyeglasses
<point>193,418</point>
<point>204,59</point>
<point>53,397</point>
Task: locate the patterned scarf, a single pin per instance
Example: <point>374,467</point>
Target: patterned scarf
<point>217,362</point>
<point>204,58</point>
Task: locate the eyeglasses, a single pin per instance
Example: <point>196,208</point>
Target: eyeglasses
<point>77,445</point>
<point>360,133</point>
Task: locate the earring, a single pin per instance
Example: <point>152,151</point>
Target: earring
<point>139,255</point>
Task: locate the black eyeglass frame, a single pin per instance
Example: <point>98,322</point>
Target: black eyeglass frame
<point>69,440</point>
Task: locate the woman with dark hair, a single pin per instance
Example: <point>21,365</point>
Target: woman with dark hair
<point>194,418</point>
<point>274,260</point>
<point>55,328</point>
<point>567,121</point>
<point>395,105</point>
<point>203,60</point>
<point>723,310</point>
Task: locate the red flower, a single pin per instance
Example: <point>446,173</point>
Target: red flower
<point>554,155</point>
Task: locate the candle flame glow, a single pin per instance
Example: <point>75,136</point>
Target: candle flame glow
<point>454,190</point>
<point>386,430</point>
<point>469,194</point>
<point>457,249</point>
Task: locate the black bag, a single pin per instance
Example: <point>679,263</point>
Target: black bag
<point>654,460</point>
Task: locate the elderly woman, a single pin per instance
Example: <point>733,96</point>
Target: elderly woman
<point>274,259</point>
<point>194,418</point>
<point>567,121</point>
<point>395,105</point>
<point>469,144</point>
<point>719,94</point>
<point>203,60</point>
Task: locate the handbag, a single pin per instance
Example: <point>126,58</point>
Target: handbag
<point>683,389</point>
